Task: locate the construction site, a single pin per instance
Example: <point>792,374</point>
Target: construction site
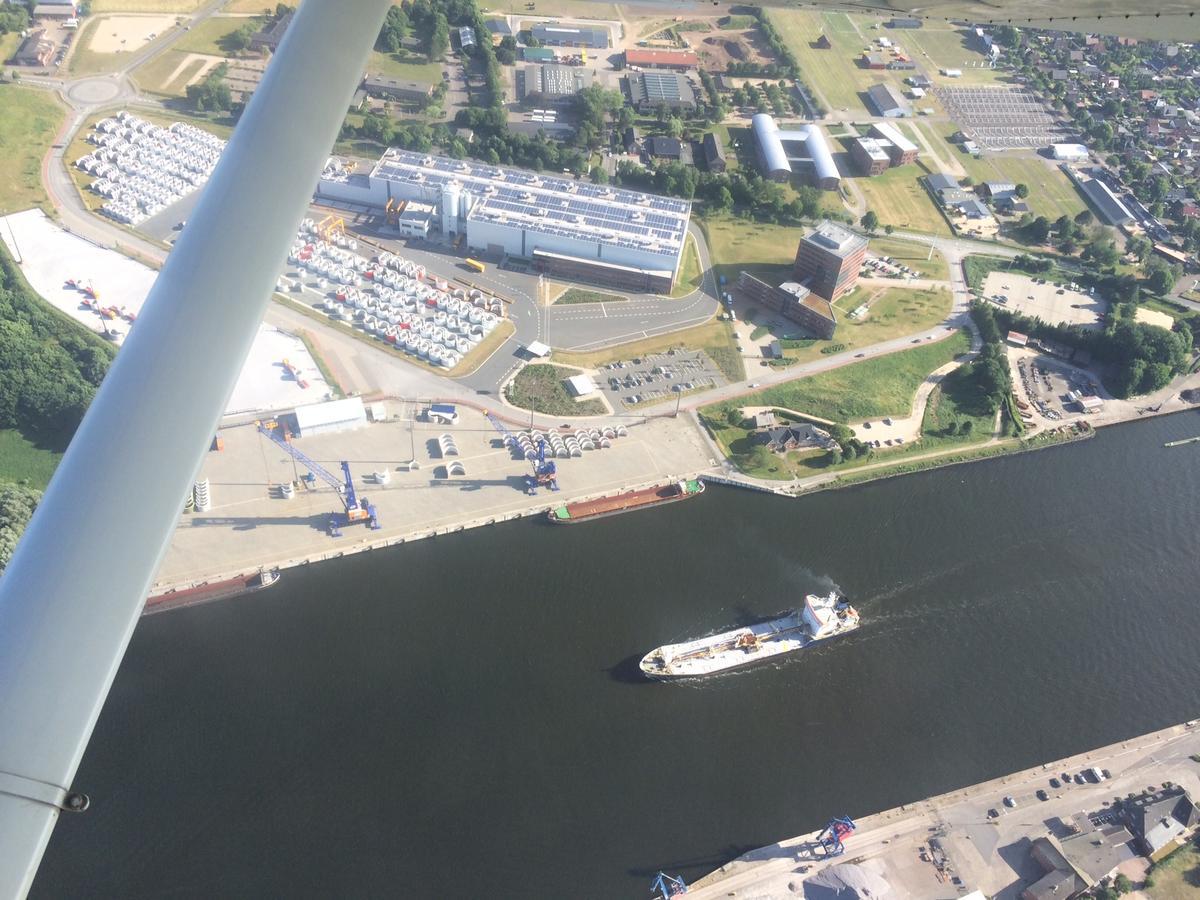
<point>345,476</point>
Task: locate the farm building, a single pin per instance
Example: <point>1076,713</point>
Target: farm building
<point>556,35</point>
<point>776,163</point>
<point>677,60</point>
<point>887,101</point>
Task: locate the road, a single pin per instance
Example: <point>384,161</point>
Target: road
<point>987,852</point>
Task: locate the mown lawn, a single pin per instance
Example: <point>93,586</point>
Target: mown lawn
<point>955,413</point>
<point>870,389</point>
<point>690,275</point>
<point>1177,877</point>
<point>894,313</point>
<point>410,67</point>
<point>766,251</point>
<point>582,295</point>
<point>541,388</point>
<point>210,36</point>
<point>899,199</point>
<point>29,120</point>
<point>947,47</point>
<point>914,255</point>
<point>27,461</point>
<point>715,338</point>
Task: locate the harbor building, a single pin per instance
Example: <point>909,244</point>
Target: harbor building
<point>792,301</point>
<point>901,150</point>
<point>887,101</point>
<point>553,84</point>
<point>397,89</point>
<point>870,156</point>
<point>554,34</point>
<point>829,260</point>
<point>562,226</point>
<point>678,60</point>
<point>650,90</point>
<point>772,148</point>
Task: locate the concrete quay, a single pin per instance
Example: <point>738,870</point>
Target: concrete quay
<point>978,850</point>
<point>251,527</point>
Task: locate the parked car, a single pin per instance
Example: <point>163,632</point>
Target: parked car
<point>1042,795</point>
<point>1055,783</point>
<point>1010,802</point>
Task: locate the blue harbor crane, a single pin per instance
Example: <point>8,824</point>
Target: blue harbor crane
<point>831,838</point>
<point>664,887</point>
<point>545,471</point>
<point>356,509</point>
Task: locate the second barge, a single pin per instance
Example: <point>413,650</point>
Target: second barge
<point>586,510</point>
<point>206,593</point>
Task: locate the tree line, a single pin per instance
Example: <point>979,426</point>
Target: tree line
<point>50,366</point>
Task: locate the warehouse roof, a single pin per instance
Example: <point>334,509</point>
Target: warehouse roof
<point>836,239</point>
<point>681,58</point>
<point>940,181</point>
<point>556,81</point>
<point>886,98</point>
<point>333,412</point>
<point>547,203</point>
<point>553,31</point>
<point>1111,209</point>
<point>660,87</point>
<point>770,142</point>
<point>890,132</point>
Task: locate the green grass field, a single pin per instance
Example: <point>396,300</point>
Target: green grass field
<point>26,461</point>
<point>147,6</point>
<point>9,42</point>
<point>894,313</point>
<point>1177,877</point>
<point>913,254</point>
<point>690,277</point>
<point>582,295</point>
<point>210,35</point>
<point>715,338</point>
<point>953,403</point>
<point>541,387</point>
<point>411,67</point>
<point>168,73</point>
<point>764,250</point>
<point>937,47</point>
<point>568,9</point>
<point>898,198</point>
<point>29,120</point>
<point>834,73</point>
<point>876,387</point>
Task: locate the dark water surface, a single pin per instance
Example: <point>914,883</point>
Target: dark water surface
<point>460,717</point>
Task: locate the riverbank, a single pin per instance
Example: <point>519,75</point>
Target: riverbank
<point>972,836</point>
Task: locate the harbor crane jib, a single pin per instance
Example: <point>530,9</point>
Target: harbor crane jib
<point>835,832</point>
<point>356,509</point>
<point>545,471</point>
<point>664,887</point>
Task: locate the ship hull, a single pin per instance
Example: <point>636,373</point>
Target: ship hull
<point>207,593</point>
<point>590,510</point>
<point>740,647</point>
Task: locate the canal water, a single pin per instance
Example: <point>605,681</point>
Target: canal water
<point>462,717</point>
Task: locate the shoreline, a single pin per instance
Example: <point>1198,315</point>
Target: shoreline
<point>716,475</point>
<point>886,839</point>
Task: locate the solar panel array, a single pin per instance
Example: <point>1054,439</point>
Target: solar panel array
<point>549,204</point>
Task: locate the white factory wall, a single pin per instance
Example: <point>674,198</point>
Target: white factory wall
<point>359,189</point>
<point>480,234</point>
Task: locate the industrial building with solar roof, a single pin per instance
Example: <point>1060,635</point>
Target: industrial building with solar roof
<point>565,227</point>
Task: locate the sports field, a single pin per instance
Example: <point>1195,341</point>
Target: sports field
<point>834,73</point>
<point>898,198</point>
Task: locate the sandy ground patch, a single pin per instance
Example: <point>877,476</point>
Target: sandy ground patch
<point>121,34</point>
<point>207,64</point>
<point>1047,301</point>
<point>49,256</point>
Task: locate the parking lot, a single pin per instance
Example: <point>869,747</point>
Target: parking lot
<point>1047,300</point>
<point>647,380</point>
<point>1003,118</point>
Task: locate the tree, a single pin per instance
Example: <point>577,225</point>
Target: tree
<point>734,417</point>
<point>675,127</point>
<point>439,38</point>
<point>395,25</point>
<point>1022,191</point>
<point>598,175</point>
<point>212,94</point>
<point>1122,885</point>
<point>1160,278</point>
<point>1038,231</point>
<point>722,200</point>
<point>17,504</point>
<point>888,229</point>
<point>870,221</point>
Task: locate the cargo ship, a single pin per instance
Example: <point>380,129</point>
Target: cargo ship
<point>206,593</point>
<point>820,619</point>
<point>586,510</point>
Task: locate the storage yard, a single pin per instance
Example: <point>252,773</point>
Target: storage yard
<point>246,481</point>
<point>108,294</point>
<point>141,168</point>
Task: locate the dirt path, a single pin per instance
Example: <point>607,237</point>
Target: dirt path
<point>949,166</point>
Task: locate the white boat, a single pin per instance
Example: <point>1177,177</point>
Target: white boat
<point>820,618</point>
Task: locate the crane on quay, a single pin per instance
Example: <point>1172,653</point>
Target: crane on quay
<point>356,510</point>
<point>831,838</point>
<point>545,471</point>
